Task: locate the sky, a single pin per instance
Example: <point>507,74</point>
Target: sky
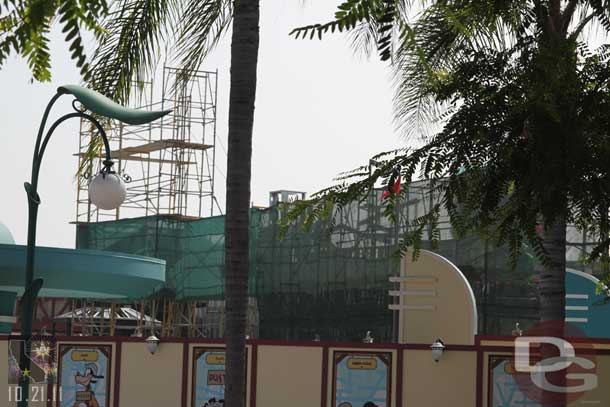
<point>320,110</point>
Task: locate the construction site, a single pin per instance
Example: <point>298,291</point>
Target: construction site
<point>310,284</point>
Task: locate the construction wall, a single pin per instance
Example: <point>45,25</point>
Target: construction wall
<point>301,374</point>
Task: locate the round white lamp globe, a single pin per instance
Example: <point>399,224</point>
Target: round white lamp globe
<point>107,191</point>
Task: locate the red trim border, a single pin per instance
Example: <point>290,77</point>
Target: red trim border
<point>253,375</point>
<point>185,373</point>
<point>116,386</point>
<point>399,377</point>
<point>324,384</point>
<point>479,379</point>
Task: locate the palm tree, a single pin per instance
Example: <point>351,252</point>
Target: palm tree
<point>130,33</point>
<point>135,30</point>
<point>244,55</point>
<point>534,95</point>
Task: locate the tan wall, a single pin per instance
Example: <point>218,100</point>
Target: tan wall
<point>293,375</point>
<point>289,376</point>
<point>436,302</point>
<point>150,380</point>
<point>449,382</point>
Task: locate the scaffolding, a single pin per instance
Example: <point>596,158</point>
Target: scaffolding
<point>169,168</point>
<point>169,164</point>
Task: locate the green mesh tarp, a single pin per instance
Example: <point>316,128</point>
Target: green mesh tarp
<point>335,285</point>
<point>193,249</point>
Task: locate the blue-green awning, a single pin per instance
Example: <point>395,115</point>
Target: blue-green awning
<point>90,274</point>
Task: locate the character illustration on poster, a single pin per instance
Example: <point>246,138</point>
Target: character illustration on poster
<point>214,403</point>
<point>209,385</point>
<point>83,374</point>
<point>362,379</point>
<point>86,397</point>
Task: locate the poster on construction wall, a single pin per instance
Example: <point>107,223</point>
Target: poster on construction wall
<point>362,379</point>
<point>84,375</point>
<point>209,377</point>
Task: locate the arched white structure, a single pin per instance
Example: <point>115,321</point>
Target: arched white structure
<point>436,301</point>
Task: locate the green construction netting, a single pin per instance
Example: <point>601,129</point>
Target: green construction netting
<point>337,286</point>
<point>193,249</point>
<point>332,285</point>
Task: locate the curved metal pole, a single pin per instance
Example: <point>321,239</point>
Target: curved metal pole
<point>32,287</point>
<point>70,116</point>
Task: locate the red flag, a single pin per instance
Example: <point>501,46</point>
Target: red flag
<point>393,185</point>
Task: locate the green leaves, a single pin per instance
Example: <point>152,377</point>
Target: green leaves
<point>25,27</point>
<point>202,25</point>
<point>129,45</point>
<point>529,140</point>
<point>72,14</point>
<point>380,16</point>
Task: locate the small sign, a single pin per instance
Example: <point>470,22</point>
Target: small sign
<point>362,363</point>
<point>216,377</point>
<point>215,359</point>
<point>84,356</point>
<point>83,396</point>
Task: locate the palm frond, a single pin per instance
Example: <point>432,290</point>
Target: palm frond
<point>202,25</point>
<point>444,34</point>
<point>129,50</point>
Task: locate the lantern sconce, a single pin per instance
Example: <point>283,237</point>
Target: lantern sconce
<point>437,349</point>
<point>152,343</point>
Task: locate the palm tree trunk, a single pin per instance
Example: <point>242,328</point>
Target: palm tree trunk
<point>244,58</point>
<point>552,295</point>
<point>552,280</point>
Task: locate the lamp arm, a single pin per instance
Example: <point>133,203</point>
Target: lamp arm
<point>86,116</point>
<point>43,123</point>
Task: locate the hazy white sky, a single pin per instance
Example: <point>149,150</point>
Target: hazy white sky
<point>319,111</point>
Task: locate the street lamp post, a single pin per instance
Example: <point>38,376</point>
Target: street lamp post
<point>108,192</point>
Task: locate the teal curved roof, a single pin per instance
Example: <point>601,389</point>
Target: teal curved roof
<point>6,236</point>
<point>83,273</point>
<point>586,308</point>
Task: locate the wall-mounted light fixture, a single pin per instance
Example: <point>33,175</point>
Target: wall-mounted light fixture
<point>152,342</point>
<point>437,349</point>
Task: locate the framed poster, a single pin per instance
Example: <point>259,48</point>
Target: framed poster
<point>209,377</point>
<point>503,390</point>
<point>362,379</point>
<point>84,375</point>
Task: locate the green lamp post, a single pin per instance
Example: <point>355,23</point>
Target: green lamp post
<point>106,191</point>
